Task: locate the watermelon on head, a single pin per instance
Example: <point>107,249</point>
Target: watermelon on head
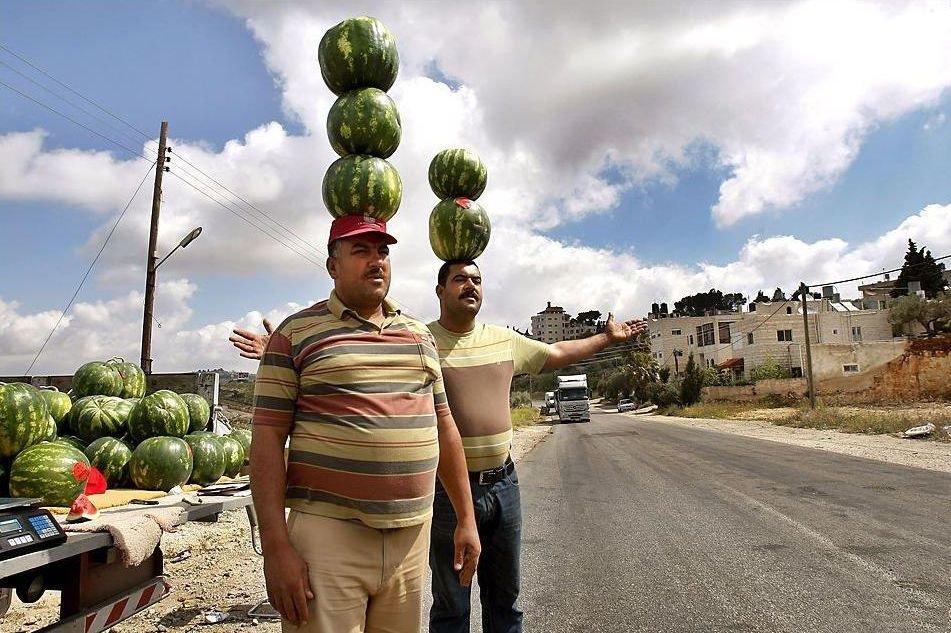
<point>133,378</point>
<point>97,379</point>
<point>24,417</point>
<point>208,458</point>
<point>459,229</point>
<point>234,455</point>
<point>59,405</point>
<point>160,413</point>
<point>161,463</point>
<point>362,185</point>
<point>358,52</point>
<point>93,417</point>
<point>199,411</point>
<point>53,471</point>
<point>111,456</point>
<point>457,173</point>
<point>364,121</point>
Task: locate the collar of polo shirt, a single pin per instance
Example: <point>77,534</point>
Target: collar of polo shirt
<point>339,310</point>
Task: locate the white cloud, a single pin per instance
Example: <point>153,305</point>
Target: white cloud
<point>522,272</point>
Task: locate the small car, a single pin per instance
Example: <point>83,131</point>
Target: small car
<point>624,405</point>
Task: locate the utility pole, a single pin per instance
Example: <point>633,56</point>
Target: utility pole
<point>160,168</point>
<point>804,292</point>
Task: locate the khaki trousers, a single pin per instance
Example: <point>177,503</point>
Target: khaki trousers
<point>365,580</point>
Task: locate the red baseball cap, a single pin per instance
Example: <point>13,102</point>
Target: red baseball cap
<point>351,225</point>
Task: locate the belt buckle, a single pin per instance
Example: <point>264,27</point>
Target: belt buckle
<point>488,477</point>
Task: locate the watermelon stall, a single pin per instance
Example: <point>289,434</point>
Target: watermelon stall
<point>139,436</point>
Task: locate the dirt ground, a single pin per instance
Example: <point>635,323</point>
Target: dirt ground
<point>213,570</point>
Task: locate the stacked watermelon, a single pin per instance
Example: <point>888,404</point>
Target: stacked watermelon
<point>459,227</point>
<point>359,62</point>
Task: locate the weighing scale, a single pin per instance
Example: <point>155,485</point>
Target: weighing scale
<point>26,527</point>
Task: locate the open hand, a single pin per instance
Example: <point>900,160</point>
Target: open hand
<point>251,344</point>
<point>618,331</point>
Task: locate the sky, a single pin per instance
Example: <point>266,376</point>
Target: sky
<point>636,153</point>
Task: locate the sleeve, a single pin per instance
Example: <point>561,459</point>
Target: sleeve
<point>276,383</point>
<point>528,355</point>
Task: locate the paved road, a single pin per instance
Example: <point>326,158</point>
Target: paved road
<point>635,525</point>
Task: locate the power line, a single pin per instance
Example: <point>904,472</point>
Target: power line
<point>884,272</point>
<point>89,270</point>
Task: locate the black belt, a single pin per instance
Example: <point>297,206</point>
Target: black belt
<point>493,475</point>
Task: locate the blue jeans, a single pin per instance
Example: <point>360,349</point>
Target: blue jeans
<point>498,510</point>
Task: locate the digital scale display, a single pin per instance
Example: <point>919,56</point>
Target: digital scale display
<point>25,527</point>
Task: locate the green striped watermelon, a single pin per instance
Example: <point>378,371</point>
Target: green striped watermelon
<point>364,121</point>
<point>199,411</point>
<point>161,463</point>
<point>358,52</point>
<point>133,378</point>
<point>24,417</point>
<point>97,379</point>
<point>93,417</point>
<point>457,173</point>
<point>50,433</point>
<point>111,456</point>
<point>53,471</point>
<point>71,440</point>
<point>59,405</point>
<point>459,229</point>
<point>362,185</point>
<point>244,438</point>
<point>208,458</point>
<point>161,413</point>
<point>233,453</point>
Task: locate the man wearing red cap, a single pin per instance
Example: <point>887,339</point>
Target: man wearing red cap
<point>356,386</point>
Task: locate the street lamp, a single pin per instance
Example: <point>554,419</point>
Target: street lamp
<point>146,360</point>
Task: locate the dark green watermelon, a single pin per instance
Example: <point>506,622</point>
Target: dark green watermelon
<point>244,438</point>
<point>161,413</point>
<point>362,185</point>
<point>93,417</point>
<point>199,411</point>
<point>364,121</point>
<point>50,433</point>
<point>358,52</point>
<point>73,441</point>
<point>111,456</point>
<point>53,471</point>
<point>59,405</point>
<point>161,463</point>
<point>208,458</point>
<point>459,229</point>
<point>97,379</point>
<point>133,378</point>
<point>24,417</point>
<point>234,455</point>
<point>457,173</point>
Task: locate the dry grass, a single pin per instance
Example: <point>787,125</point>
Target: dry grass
<point>525,416</point>
<point>869,421</point>
<point>719,410</point>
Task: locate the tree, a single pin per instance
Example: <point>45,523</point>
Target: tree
<point>692,383</point>
<point>920,266</point>
<point>779,295</point>
<point>589,317</point>
<point>710,301</point>
<point>933,315</point>
<point>761,297</point>
<point>769,369</point>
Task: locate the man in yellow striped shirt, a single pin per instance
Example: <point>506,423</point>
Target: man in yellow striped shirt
<point>478,363</point>
<point>357,388</point>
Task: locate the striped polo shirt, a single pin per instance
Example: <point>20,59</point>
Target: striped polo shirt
<point>360,403</point>
<point>478,367</point>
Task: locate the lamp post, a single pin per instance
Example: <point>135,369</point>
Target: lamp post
<point>146,360</point>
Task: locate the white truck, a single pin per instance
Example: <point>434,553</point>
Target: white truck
<point>572,398</point>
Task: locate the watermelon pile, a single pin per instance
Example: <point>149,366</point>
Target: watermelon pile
<point>459,227</point>
<point>359,62</point>
<point>107,432</point>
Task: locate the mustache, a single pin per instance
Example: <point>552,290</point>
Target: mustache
<point>469,293</point>
<point>375,272</point>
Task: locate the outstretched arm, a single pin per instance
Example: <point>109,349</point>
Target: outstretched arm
<point>567,352</point>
